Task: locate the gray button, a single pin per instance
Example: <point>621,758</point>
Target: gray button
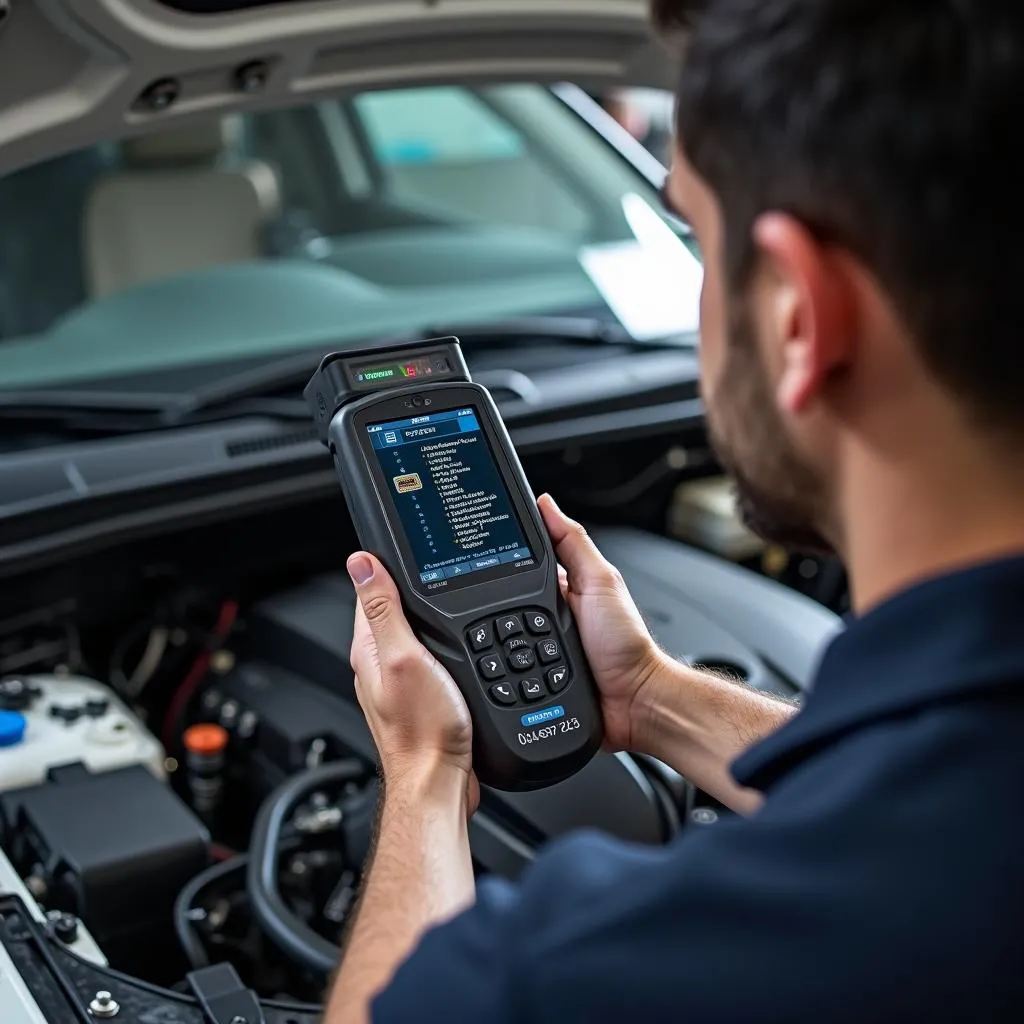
<point>531,690</point>
<point>537,623</point>
<point>491,667</point>
<point>548,651</point>
<point>502,693</point>
<point>508,625</point>
<point>522,660</point>
<point>480,637</point>
<point>558,678</point>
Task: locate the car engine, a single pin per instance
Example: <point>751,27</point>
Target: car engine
<point>188,786</point>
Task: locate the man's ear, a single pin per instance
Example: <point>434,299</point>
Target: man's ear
<point>811,306</point>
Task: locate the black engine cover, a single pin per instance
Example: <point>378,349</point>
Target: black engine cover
<point>294,676</point>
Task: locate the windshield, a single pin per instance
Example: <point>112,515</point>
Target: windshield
<point>326,224</point>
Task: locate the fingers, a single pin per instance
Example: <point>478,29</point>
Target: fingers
<point>361,635</point>
<point>563,582</point>
<point>586,566</point>
<point>379,616</point>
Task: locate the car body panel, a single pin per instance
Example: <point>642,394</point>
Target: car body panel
<point>74,70</point>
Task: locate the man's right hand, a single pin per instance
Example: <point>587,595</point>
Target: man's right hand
<point>652,704</point>
<point>621,651</point>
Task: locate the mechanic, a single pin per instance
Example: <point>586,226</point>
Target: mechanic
<point>852,172</point>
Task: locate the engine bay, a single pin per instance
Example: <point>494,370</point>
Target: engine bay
<point>187,782</point>
<point>188,787</point>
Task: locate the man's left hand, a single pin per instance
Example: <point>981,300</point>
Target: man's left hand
<point>417,715</point>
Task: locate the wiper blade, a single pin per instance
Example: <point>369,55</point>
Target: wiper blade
<point>586,330</point>
<point>293,372</point>
<point>97,412</point>
<point>85,412</point>
<point>264,390</point>
<point>25,404</point>
<point>589,330</point>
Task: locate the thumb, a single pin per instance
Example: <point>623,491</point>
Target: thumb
<point>587,567</point>
<point>379,600</point>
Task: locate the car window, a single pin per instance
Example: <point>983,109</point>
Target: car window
<point>450,153</point>
<point>350,218</point>
<point>435,126</point>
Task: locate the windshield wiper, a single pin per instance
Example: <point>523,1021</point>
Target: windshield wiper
<point>587,330</point>
<point>265,390</point>
<point>98,413</point>
<point>250,387</point>
<point>295,371</point>
<point>83,412</point>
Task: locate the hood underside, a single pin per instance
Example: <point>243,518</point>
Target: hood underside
<point>77,72</point>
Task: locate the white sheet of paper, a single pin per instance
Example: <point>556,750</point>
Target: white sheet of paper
<point>652,284</point>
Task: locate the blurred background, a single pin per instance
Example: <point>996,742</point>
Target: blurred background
<point>646,114</point>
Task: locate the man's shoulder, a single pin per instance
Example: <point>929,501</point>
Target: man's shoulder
<point>878,882</point>
<point>903,835</point>
<point>929,768</point>
<point>914,820</point>
<point>955,742</point>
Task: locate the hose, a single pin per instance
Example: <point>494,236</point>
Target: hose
<point>282,926</point>
<point>190,942</point>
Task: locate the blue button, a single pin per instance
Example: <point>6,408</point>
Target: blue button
<point>457,570</point>
<point>12,728</point>
<point>517,555</point>
<point>434,574</point>
<point>486,563</point>
<point>546,715</point>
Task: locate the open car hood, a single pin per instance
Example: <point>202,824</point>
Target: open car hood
<point>77,72</point>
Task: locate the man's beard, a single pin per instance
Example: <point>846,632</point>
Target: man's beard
<point>779,497</point>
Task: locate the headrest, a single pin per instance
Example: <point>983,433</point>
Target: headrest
<point>199,143</point>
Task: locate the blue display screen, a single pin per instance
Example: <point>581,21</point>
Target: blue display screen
<point>455,509</point>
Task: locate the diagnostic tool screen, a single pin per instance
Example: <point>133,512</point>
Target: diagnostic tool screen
<point>456,511</point>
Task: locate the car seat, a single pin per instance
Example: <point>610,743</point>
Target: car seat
<point>179,202</point>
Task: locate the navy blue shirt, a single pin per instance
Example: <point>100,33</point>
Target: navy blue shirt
<point>882,880</point>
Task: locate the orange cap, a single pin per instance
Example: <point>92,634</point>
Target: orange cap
<point>205,739</point>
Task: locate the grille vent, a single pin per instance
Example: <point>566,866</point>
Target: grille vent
<point>271,442</point>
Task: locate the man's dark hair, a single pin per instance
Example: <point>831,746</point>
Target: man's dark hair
<point>891,128</point>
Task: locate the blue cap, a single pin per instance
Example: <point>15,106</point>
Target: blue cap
<point>12,728</point>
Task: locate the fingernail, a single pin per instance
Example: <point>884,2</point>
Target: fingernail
<point>360,568</point>
<point>551,501</point>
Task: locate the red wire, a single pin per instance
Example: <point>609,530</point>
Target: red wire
<point>197,673</point>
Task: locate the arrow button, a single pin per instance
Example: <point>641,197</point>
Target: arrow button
<point>490,667</point>
<point>558,678</point>
<point>502,693</point>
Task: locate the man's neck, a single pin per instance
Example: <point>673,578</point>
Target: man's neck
<point>908,521</point>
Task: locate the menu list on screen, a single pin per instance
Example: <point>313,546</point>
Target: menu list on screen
<point>455,510</point>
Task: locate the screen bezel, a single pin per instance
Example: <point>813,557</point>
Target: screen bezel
<point>446,398</point>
